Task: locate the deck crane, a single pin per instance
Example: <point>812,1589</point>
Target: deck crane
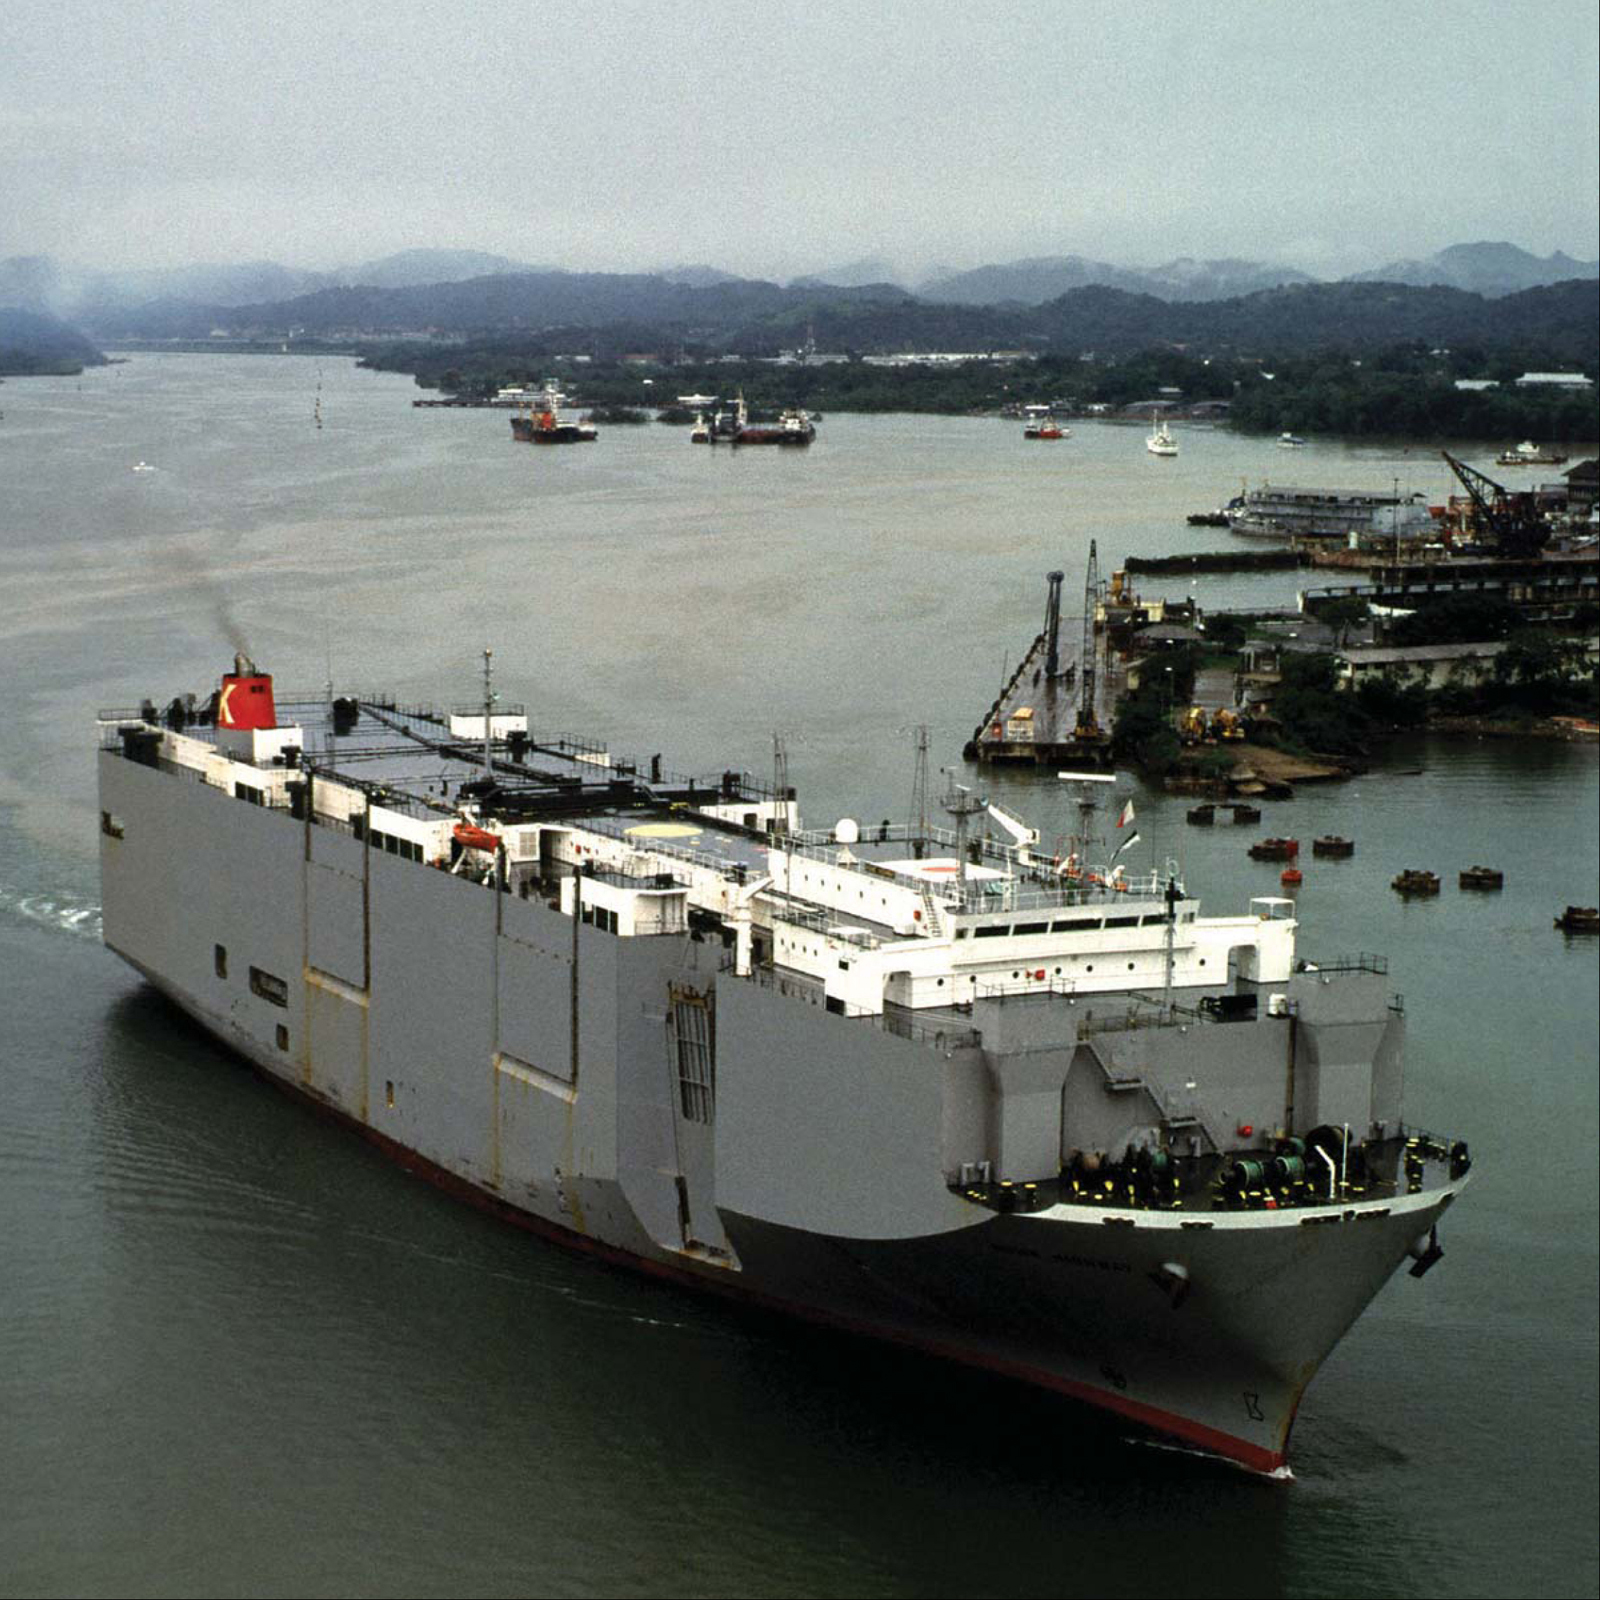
<point>1509,520</point>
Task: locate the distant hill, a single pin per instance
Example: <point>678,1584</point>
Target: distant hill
<point>1485,268</point>
<point>619,312</point>
<point>1562,319</point>
<point>853,275</point>
<point>697,277</point>
<point>1043,278</point>
<point>32,343</point>
<point>1030,283</point>
<point>513,301</point>
<point>409,269</point>
<point>41,284</point>
<point>37,283</point>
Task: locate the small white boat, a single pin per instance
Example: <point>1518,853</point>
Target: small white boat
<point>1528,454</point>
<point>1161,442</point>
<point>1290,441</point>
<point>142,466</point>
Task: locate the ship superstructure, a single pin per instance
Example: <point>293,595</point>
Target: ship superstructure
<point>946,1086</point>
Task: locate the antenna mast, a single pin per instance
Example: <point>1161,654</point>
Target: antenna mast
<point>488,713</point>
<point>919,786</point>
<point>961,803</point>
<point>780,779</point>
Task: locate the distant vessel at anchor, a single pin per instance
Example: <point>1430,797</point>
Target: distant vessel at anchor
<point>543,422</point>
<point>1160,441</point>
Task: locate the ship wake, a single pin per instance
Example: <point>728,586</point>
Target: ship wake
<point>58,913</point>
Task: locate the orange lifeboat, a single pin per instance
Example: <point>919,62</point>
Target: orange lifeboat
<point>476,838</point>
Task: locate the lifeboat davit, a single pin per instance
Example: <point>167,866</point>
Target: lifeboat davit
<point>476,838</point>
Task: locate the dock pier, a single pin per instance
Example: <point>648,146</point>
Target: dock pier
<point>1045,715</point>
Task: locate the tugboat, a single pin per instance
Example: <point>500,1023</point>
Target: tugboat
<point>1579,919</point>
<point>1044,428</point>
<point>1482,878</point>
<point>1332,844</point>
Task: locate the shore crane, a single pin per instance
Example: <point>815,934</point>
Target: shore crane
<point>1509,519</point>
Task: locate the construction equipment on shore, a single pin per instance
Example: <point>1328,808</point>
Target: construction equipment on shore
<point>1508,520</point>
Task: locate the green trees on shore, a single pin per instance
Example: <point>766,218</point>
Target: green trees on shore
<point>1405,390</point>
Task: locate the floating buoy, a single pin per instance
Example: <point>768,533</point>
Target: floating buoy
<point>1291,875</point>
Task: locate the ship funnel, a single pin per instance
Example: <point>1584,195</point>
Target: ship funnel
<point>246,697</point>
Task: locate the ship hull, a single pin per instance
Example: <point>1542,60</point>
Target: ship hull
<point>562,433</point>
<point>521,1059</point>
<point>1081,1301</point>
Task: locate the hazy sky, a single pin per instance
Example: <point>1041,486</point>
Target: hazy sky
<point>775,139</point>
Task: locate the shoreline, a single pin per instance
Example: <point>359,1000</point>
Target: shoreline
<point>1267,773</point>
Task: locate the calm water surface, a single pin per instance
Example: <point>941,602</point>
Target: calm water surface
<point>240,1353</point>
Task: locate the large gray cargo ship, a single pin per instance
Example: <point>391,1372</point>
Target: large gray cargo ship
<point>947,1089</point>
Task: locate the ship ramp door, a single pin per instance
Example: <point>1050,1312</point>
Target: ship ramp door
<point>336,908</point>
<point>692,1091</point>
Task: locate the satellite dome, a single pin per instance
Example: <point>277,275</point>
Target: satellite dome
<point>846,830</point>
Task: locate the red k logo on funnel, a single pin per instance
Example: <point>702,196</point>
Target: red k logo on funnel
<point>246,702</point>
